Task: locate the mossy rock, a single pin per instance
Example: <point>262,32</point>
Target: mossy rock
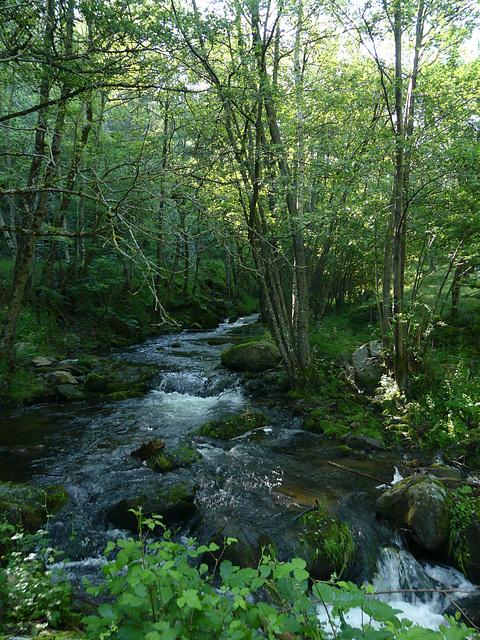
<point>251,356</point>
<point>29,506</point>
<point>421,506</point>
<point>120,380</point>
<point>96,382</point>
<point>174,502</point>
<point>180,457</point>
<point>329,542</point>
<point>234,426</point>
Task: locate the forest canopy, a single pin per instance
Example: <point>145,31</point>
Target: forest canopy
<point>308,154</point>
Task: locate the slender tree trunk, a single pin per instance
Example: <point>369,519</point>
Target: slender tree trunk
<point>36,203</point>
<point>157,310</point>
<point>399,232</point>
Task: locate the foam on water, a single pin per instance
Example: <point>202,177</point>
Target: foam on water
<point>410,588</point>
<point>176,408</point>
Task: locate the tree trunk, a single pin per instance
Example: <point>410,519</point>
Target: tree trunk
<point>36,203</point>
<point>399,232</point>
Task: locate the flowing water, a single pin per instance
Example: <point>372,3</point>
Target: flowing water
<point>260,483</point>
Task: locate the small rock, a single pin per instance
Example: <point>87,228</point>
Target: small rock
<point>41,361</point>
<point>71,366</point>
<point>363,442</point>
<point>61,377</point>
<point>148,449</point>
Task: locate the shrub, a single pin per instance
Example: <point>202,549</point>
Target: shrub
<point>32,596</point>
<point>164,591</point>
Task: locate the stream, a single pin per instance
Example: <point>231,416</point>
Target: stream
<point>255,483</point>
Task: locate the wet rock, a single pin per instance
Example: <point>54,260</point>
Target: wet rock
<point>120,378</point>
<point>251,356</point>
<point>70,393</point>
<point>366,443</point>
<point>272,382</point>
<point>444,472</point>
<point>421,505</point>
<point>368,363</point>
<point>248,549</point>
<point>148,449</point>
<point>28,451</point>
<point>61,377</point>
<point>97,383</point>
<point>234,426</point>
<point>174,502</point>
<point>29,505</point>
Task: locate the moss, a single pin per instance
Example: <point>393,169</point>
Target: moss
<point>178,458</point>
<point>125,395</point>
<point>234,426</point>
<point>330,538</point>
<point>160,463</point>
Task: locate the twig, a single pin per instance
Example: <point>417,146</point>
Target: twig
<point>358,473</point>
<point>312,508</point>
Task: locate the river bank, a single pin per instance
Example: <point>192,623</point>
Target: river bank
<point>252,487</point>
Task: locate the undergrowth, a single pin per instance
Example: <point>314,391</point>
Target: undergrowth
<point>163,589</point>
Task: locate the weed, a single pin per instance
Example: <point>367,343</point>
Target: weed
<point>461,514</point>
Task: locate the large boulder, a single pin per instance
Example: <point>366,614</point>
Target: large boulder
<point>174,502</point>
<point>368,364</point>
<point>422,506</point>
<point>248,548</point>
<point>251,356</point>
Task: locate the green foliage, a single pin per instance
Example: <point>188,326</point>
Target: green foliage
<point>21,385</point>
<point>447,413</point>
<point>337,334</point>
<point>461,515</point>
<point>35,328</point>
<point>163,590</point>
<point>32,596</point>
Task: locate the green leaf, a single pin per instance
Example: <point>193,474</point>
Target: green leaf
<point>190,598</point>
<point>107,611</point>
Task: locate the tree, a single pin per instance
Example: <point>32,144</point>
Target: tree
<point>419,33</point>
